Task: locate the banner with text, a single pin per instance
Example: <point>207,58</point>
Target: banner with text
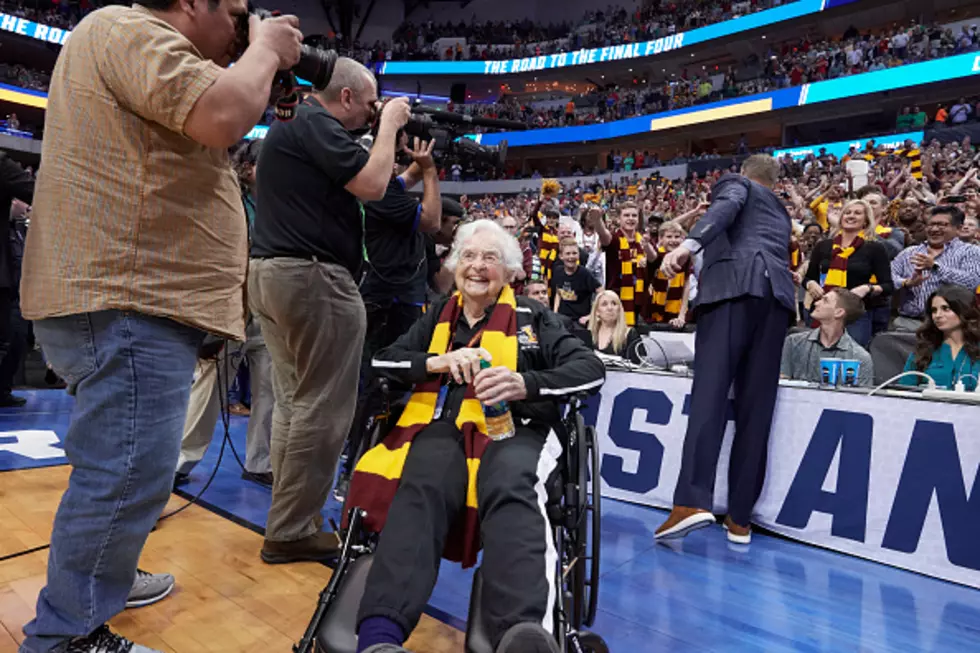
<point>619,52</point>
<point>888,479</point>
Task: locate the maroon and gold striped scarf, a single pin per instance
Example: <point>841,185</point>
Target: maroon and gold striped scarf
<point>837,273</point>
<point>667,295</point>
<point>630,284</point>
<point>378,472</point>
<point>548,250</point>
<point>795,255</point>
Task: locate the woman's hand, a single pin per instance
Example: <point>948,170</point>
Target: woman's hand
<point>499,384</point>
<point>814,290</point>
<point>678,322</point>
<point>463,364</point>
<point>862,291</point>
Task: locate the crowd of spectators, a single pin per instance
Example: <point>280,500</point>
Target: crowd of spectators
<point>24,77</point>
<point>915,209</point>
<point>790,64</point>
<point>64,14</point>
<point>613,25</point>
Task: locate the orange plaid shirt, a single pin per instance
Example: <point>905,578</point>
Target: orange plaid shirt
<point>129,213</point>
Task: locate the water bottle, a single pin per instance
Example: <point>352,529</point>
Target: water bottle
<point>500,421</point>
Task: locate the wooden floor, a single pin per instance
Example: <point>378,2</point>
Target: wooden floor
<point>226,599</point>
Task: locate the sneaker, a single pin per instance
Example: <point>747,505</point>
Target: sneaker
<point>149,588</point>
<point>180,478</point>
<point>318,547</point>
<point>738,534</point>
<point>683,521</point>
<point>104,640</point>
<point>386,648</point>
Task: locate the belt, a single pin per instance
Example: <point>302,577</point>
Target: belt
<point>302,257</point>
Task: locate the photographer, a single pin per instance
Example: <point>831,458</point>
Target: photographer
<point>394,283</point>
<point>307,252</point>
<point>137,247</point>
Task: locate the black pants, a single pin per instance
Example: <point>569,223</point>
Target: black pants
<point>519,558</point>
<point>738,341</point>
<point>386,322</point>
<point>10,350</point>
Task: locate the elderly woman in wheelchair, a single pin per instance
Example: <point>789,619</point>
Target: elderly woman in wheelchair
<point>438,485</point>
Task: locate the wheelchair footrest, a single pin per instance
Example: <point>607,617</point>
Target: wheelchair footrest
<point>337,632</point>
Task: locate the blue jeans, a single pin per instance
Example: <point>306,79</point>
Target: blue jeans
<point>861,330</point>
<point>131,377</point>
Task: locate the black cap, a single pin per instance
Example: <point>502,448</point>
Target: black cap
<point>452,208</point>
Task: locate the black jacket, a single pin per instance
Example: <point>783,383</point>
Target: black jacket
<point>554,363</point>
<point>869,259</point>
<point>15,183</point>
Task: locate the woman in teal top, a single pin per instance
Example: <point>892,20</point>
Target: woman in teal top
<point>948,343</point>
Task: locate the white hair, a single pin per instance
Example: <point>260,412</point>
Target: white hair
<point>510,251</point>
<point>574,225</point>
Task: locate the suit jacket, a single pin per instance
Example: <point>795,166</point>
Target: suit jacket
<point>745,237</point>
<point>15,182</point>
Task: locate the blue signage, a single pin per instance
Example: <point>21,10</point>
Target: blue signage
<point>612,53</point>
<point>29,28</point>
<point>926,72</point>
<point>840,148</point>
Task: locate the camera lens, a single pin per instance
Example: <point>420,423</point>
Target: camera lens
<point>315,66</point>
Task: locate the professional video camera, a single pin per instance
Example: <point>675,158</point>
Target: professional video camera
<point>448,129</point>
<point>315,66</point>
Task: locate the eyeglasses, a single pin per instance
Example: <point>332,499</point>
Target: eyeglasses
<point>490,257</point>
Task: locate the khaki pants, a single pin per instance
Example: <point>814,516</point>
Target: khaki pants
<point>313,321</point>
<point>206,400</point>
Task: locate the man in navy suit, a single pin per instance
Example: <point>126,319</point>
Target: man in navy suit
<point>745,300</point>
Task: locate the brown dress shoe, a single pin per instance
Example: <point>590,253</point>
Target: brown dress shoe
<point>682,521</point>
<point>315,548</point>
<point>737,534</point>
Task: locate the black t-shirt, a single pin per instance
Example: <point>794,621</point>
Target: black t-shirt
<point>576,291</point>
<point>303,208</point>
<point>396,266</point>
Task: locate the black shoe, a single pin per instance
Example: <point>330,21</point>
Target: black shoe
<point>12,401</point>
<point>180,478</point>
<point>528,638</point>
<point>104,640</point>
<point>265,478</point>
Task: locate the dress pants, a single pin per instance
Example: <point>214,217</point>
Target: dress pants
<point>738,342</point>
<point>519,556</point>
<point>312,318</point>
<point>206,401</point>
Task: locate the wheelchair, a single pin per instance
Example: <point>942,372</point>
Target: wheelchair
<point>574,511</point>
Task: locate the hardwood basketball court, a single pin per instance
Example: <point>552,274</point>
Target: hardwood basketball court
<point>226,598</point>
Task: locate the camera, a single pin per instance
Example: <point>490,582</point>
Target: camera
<point>448,131</point>
<point>315,65</point>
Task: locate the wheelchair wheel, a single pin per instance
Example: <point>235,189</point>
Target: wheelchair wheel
<point>579,531</point>
<point>592,643</point>
<point>593,506</point>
